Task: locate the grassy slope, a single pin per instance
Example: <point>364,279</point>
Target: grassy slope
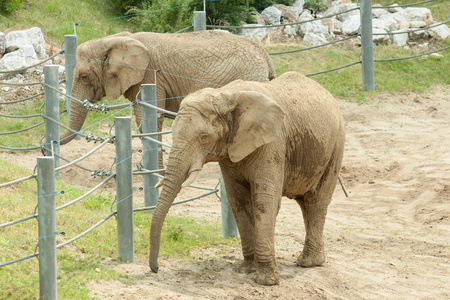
<point>77,263</point>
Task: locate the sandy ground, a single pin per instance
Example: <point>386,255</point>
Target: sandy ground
<point>390,239</point>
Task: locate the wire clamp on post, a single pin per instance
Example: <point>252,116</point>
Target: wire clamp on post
<point>91,137</point>
<point>93,107</point>
<point>100,173</point>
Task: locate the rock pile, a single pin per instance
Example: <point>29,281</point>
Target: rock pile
<point>20,49</point>
<point>395,25</point>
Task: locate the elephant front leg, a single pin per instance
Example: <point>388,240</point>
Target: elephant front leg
<point>265,209</point>
<point>239,199</point>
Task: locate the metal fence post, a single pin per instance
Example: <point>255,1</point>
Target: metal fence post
<point>368,75</point>
<point>52,111</point>
<point>199,20</point>
<point>47,227</point>
<point>229,226</point>
<point>124,185</point>
<point>70,49</point>
<point>150,148</point>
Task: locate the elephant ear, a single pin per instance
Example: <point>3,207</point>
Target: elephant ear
<point>259,121</point>
<point>124,65</point>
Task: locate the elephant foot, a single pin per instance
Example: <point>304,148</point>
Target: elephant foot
<point>248,266</point>
<point>267,275</point>
<point>308,259</point>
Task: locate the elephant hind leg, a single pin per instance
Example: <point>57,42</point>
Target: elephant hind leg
<point>314,205</point>
<point>313,253</point>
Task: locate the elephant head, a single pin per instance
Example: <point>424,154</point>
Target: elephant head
<point>104,67</point>
<point>225,124</point>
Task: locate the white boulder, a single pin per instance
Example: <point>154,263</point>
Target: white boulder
<point>271,15</point>
<point>314,39</point>
<point>351,25</point>
<point>379,36</point>
<point>389,22</point>
<point>401,38</point>
<point>440,32</point>
<point>24,38</point>
<point>346,6</point>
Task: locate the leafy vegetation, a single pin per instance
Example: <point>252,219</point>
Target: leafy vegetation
<point>8,6</point>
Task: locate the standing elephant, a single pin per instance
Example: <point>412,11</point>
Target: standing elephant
<point>280,138</point>
<point>180,63</point>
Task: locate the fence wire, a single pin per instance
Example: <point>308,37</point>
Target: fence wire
<point>105,108</point>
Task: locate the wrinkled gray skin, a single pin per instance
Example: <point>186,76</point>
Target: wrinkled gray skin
<point>117,65</point>
<point>281,138</point>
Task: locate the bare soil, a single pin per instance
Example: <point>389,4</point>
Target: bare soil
<point>390,239</point>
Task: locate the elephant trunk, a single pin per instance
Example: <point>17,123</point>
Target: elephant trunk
<point>176,173</point>
<point>76,120</point>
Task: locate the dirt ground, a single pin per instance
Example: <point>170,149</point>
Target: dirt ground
<point>390,239</point>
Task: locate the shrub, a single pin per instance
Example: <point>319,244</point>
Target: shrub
<point>173,15</point>
<point>8,6</point>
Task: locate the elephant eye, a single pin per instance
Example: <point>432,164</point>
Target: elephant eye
<point>85,78</point>
<point>204,138</point>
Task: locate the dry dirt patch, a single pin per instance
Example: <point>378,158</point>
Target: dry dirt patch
<point>389,240</point>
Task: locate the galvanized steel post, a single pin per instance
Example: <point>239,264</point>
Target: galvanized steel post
<point>150,148</point>
<point>47,227</point>
<point>229,226</point>
<point>199,20</point>
<point>70,49</point>
<point>368,74</point>
<point>52,111</point>
<point>124,186</point>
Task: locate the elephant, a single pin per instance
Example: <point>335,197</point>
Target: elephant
<point>284,137</point>
<point>179,63</point>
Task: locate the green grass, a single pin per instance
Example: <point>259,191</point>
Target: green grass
<point>77,263</point>
<point>57,18</point>
<point>417,74</point>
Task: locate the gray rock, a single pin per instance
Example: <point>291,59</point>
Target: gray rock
<point>418,14</point>
<point>344,7</point>
<point>258,18</point>
<point>414,14</point>
<point>440,32</point>
<point>394,8</point>
<point>256,34</point>
<point>380,24</point>
<point>389,21</point>
<point>337,26</point>
<point>400,39</point>
<point>24,38</point>
<point>299,5</point>
<point>423,47</point>
<point>416,35</point>
<point>351,25</point>
<point>403,24</point>
<point>380,36</point>
<point>289,13</point>
<point>271,15</point>
<point>289,31</point>
<point>313,27</point>
<point>417,24</point>
<point>314,39</point>
<point>2,44</point>
<point>377,12</point>
<point>14,61</point>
